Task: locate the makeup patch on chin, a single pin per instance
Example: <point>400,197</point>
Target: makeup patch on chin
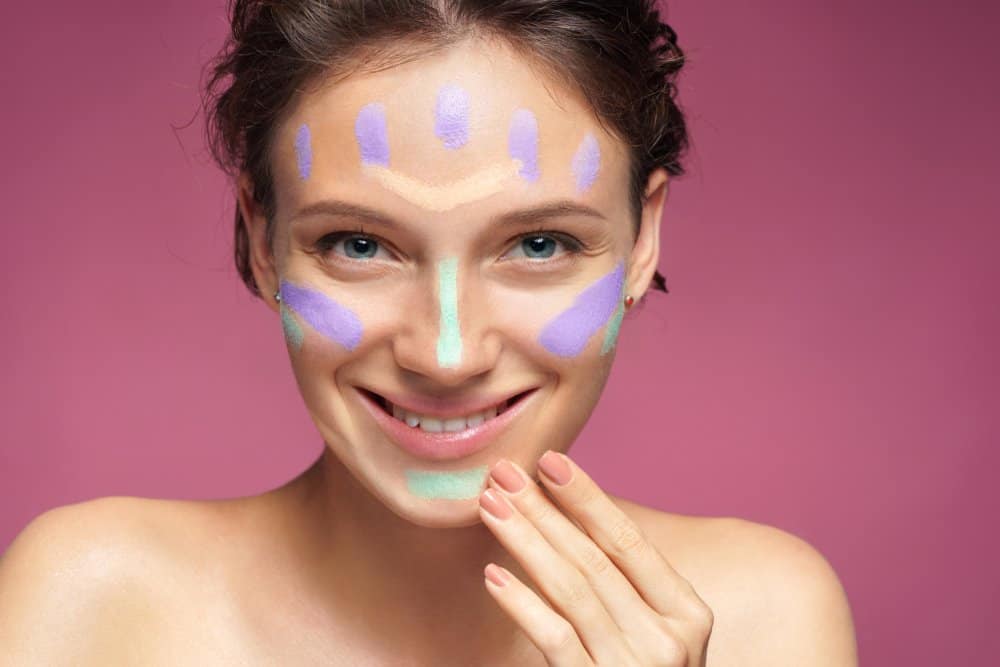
<point>567,334</point>
<point>328,318</point>
<point>447,485</point>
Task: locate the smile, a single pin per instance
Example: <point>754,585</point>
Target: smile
<point>436,430</point>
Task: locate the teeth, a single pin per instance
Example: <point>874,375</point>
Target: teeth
<point>451,424</point>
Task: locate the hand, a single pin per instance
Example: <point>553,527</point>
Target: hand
<point>612,598</point>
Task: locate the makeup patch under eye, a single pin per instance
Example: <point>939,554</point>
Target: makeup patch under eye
<point>451,116</point>
<point>303,151</point>
<point>522,143</point>
<point>372,134</point>
<point>586,163</point>
<point>567,334</point>
<point>328,318</point>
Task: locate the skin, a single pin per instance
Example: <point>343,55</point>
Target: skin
<point>505,302</point>
<point>343,565</point>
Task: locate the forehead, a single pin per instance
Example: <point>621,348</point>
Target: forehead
<point>447,117</point>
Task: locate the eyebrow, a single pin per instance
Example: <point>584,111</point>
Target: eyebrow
<point>533,214</point>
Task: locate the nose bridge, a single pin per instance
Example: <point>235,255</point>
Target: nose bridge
<point>449,342</point>
<point>452,347</point>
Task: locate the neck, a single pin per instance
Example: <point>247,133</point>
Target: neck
<point>418,589</point>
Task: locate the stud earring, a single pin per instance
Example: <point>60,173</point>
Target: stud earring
<point>629,301</point>
<point>277,297</point>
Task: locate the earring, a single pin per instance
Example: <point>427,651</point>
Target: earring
<point>629,301</point>
<point>277,297</point>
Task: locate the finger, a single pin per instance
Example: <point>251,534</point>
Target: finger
<point>552,634</point>
<point>562,584</point>
<point>663,588</point>
<point>612,587</point>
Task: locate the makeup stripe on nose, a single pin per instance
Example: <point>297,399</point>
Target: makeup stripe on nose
<point>449,345</point>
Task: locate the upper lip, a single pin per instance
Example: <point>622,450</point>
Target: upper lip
<point>436,406</point>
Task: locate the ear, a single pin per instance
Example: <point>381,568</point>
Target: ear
<point>646,251</point>
<point>261,253</point>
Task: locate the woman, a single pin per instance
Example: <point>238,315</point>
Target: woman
<point>449,206</point>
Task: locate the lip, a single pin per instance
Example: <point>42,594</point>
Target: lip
<point>444,446</point>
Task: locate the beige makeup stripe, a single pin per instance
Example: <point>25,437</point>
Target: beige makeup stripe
<point>446,196</point>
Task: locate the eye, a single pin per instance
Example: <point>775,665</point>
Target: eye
<point>352,245</point>
<point>543,245</point>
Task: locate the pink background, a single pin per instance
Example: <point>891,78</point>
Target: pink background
<point>825,362</point>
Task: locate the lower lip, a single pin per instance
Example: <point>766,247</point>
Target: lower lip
<point>444,446</point>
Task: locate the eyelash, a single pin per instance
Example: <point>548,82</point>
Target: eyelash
<point>572,245</point>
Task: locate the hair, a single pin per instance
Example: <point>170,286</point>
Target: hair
<point>617,53</point>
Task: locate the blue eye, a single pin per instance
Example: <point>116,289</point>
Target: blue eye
<point>543,246</point>
<point>538,246</point>
<point>353,246</point>
<point>360,247</point>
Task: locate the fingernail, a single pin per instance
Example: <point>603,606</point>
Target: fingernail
<point>495,505</point>
<point>497,574</point>
<point>556,467</point>
<point>507,476</point>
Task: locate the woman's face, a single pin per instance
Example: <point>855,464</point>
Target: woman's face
<point>452,244</point>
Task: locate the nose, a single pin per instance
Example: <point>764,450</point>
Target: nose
<point>455,341</point>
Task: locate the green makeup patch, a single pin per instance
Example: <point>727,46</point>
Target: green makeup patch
<point>449,345</point>
<point>454,485</point>
<point>293,332</point>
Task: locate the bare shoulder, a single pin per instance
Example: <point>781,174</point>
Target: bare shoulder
<point>80,577</point>
<point>775,598</point>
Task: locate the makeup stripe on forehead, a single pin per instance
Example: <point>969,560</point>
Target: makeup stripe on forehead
<point>586,163</point>
<point>567,334</point>
<point>447,485</point>
<point>372,134</point>
<point>303,151</point>
<point>329,318</point>
<point>522,142</point>
<point>451,116</point>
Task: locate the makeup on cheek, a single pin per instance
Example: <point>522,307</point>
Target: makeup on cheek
<point>328,318</point>
<point>522,143</point>
<point>567,334</point>
<point>586,163</point>
<point>372,134</point>
<point>447,485</point>
<point>451,116</point>
<point>449,345</point>
<point>293,332</point>
<point>303,151</point>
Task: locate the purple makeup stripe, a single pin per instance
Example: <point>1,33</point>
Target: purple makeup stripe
<point>303,151</point>
<point>330,319</point>
<point>522,143</point>
<point>451,116</point>
<point>586,162</point>
<point>372,134</point>
<point>568,333</point>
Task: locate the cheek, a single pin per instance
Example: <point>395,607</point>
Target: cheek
<point>332,321</point>
<point>597,307</point>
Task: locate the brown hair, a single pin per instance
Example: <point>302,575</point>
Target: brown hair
<point>617,53</point>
